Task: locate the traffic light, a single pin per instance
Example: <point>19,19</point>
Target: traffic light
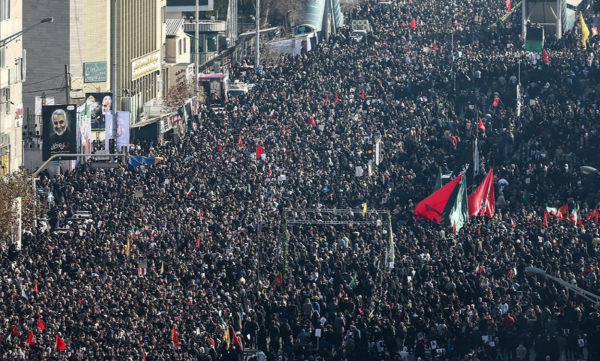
<point>112,145</point>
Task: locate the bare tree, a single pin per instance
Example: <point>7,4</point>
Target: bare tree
<point>178,94</point>
<point>16,192</point>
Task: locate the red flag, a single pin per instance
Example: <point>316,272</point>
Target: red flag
<point>259,151</point>
<point>35,287</point>
<point>40,325</point>
<point>240,143</point>
<point>143,356</point>
<point>235,339</point>
<point>278,281</point>
<point>435,48</point>
<point>60,344</point>
<point>336,97</point>
<point>283,131</point>
<point>433,206</point>
<point>15,330</point>
<point>413,24</point>
<point>479,231</point>
<point>546,219</point>
<point>326,100</point>
<point>563,211</point>
<point>220,148</point>
<point>546,59</point>
<point>482,201</point>
<point>31,338</point>
<point>174,336</point>
<point>496,101</point>
<point>312,122</point>
<point>454,140</point>
<point>198,239</point>
<point>270,171</point>
<point>594,31</point>
<point>508,6</point>
<point>362,95</point>
<point>481,125</point>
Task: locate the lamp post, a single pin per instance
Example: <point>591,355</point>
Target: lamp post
<point>532,271</point>
<point>14,36</point>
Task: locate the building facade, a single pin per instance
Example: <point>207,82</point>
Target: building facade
<point>73,57</point>
<point>12,75</point>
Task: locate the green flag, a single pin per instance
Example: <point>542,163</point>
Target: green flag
<point>526,196</point>
<point>438,181</point>
<point>459,215</point>
<point>353,283</point>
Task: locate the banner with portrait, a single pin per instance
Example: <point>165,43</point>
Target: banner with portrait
<point>100,104</point>
<point>123,119</point>
<point>59,130</point>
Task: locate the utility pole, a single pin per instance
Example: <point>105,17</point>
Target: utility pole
<point>67,85</point>
<point>113,78</point>
<point>196,54</point>
<point>257,60</point>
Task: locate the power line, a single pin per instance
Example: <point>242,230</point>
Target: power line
<point>41,81</point>
<point>44,90</point>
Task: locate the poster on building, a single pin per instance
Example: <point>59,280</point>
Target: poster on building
<point>123,119</point>
<point>59,130</point>
<point>100,105</point>
<point>84,125</point>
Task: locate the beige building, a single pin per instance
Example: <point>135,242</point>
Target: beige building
<point>11,85</point>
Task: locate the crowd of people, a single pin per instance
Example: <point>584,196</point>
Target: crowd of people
<point>189,259</point>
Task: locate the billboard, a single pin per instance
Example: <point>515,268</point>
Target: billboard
<point>100,104</point>
<point>59,130</point>
<point>145,65</point>
<point>123,119</point>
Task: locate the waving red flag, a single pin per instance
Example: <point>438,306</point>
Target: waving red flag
<point>413,24</point>
<point>336,97</point>
<point>278,281</point>
<point>15,331</point>
<point>259,151</point>
<point>435,47</point>
<point>35,287</point>
<point>198,239</point>
<point>496,101</point>
<point>220,148</point>
<point>546,219</point>
<point>433,206</point>
<point>362,95</point>
<point>174,336</point>
<point>508,6</point>
<point>563,211</point>
<point>546,59</point>
<point>481,126</point>
<point>31,338</point>
<point>312,122</point>
<point>40,325</point>
<point>240,143</point>
<point>60,344</point>
<point>482,201</point>
<point>326,100</point>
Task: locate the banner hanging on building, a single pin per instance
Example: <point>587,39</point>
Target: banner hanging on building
<point>59,130</point>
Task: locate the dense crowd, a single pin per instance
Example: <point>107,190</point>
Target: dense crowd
<point>169,275</point>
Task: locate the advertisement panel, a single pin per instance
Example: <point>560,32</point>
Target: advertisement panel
<point>100,104</point>
<point>123,119</point>
<point>59,130</point>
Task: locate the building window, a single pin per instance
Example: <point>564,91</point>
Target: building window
<point>179,46</point>
<point>2,57</point>
<point>184,45</point>
<point>5,100</point>
<point>4,10</point>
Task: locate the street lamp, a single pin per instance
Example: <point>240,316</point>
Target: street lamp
<point>14,36</point>
<point>532,271</point>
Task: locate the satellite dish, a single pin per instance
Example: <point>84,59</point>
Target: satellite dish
<point>588,170</point>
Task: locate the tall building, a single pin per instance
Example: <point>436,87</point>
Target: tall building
<point>80,39</point>
<point>12,76</point>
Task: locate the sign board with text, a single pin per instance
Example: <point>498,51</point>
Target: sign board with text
<point>145,65</point>
<point>95,72</point>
